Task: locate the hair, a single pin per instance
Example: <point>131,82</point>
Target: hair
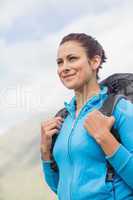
<point>91,45</point>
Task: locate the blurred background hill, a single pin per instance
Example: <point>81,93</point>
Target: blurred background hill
<point>21,177</point>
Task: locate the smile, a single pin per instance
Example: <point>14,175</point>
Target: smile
<point>69,76</point>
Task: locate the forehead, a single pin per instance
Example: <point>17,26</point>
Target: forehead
<point>70,47</point>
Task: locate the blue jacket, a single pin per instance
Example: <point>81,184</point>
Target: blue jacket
<point>81,161</point>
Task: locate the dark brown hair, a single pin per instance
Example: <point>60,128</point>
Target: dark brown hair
<point>91,45</point>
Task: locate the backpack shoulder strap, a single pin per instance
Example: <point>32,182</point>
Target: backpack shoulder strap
<point>110,103</point>
<point>107,109</point>
<point>62,113</point>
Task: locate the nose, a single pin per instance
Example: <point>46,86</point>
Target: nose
<point>66,70</point>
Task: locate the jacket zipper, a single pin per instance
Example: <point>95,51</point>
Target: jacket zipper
<point>69,143</point>
<point>69,149</point>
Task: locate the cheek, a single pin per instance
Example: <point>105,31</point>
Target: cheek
<point>83,73</point>
<point>58,72</point>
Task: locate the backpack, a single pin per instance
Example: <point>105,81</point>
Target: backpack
<point>120,85</point>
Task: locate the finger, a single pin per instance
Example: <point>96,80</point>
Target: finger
<point>55,119</point>
<point>111,121</point>
<point>52,132</point>
<point>60,118</point>
<point>98,115</point>
<point>47,122</point>
<point>43,137</point>
<point>51,126</point>
<point>47,136</point>
<point>51,123</point>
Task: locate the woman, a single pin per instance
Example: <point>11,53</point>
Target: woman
<point>85,142</point>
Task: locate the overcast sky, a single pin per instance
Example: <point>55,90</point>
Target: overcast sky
<point>30,31</point>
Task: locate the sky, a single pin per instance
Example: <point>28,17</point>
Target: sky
<point>30,32</point>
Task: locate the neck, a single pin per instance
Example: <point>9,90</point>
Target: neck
<point>85,93</point>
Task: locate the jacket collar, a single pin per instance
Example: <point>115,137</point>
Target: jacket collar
<point>92,102</point>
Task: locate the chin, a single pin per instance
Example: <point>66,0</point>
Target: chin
<point>71,86</point>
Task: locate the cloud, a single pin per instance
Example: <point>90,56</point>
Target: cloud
<point>31,19</point>
<point>9,10</point>
<point>114,30</point>
<point>29,64</point>
<point>28,60</point>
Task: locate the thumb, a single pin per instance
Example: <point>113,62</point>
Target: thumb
<point>111,121</point>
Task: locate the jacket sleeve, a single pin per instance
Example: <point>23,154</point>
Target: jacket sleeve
<point>122,158</point>
<point>50,175</point>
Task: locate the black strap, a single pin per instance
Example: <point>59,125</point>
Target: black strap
<point>62,113</point>
<point>107,109</point>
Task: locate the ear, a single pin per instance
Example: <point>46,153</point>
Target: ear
<point>95,62</point>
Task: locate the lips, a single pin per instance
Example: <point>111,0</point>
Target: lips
<point>68,76</point>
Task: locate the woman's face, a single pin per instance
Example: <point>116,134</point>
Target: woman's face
<point>74,67</point>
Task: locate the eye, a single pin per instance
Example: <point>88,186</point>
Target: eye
<point>73,58</point>
<point>59,62</point>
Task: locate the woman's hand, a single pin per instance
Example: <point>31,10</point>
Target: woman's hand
<point>48,129</point>
<point>98,125</point>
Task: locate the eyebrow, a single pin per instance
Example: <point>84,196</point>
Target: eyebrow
<point>69,55</point>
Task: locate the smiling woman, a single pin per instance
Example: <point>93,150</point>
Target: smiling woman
<point>73,65</point>
<point>85,143</point>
